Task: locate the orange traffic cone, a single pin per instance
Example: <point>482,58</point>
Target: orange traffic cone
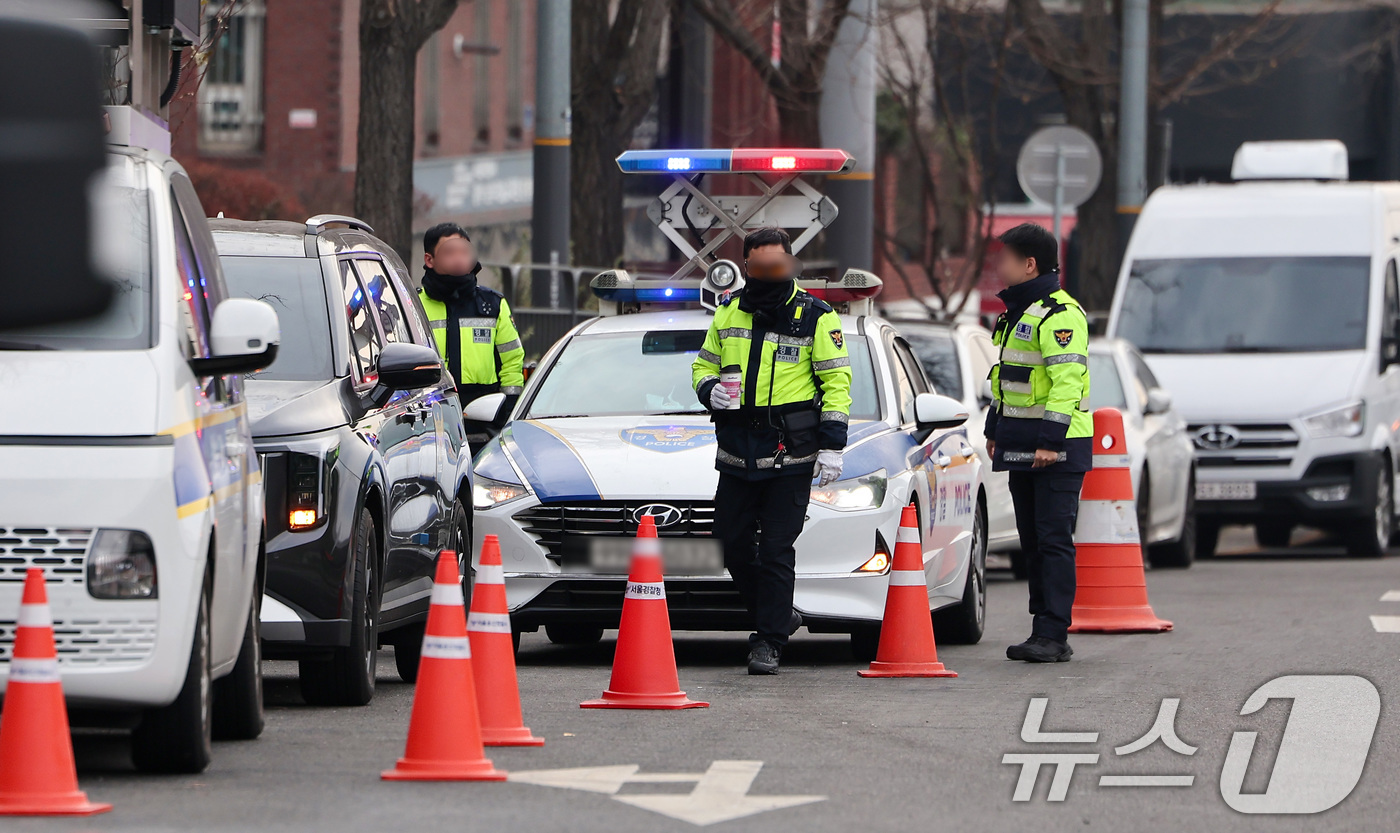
<point>444,732</point>
<point>37,774</point>
<point>1112,588</point>
<point>906,637</point>
<point>493,654</point>
<point>644,664</point>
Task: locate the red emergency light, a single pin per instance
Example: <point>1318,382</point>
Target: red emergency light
<point>790,160</point>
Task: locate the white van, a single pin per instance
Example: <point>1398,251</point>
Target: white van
<point>127,474</point>
<point>1270,309</point>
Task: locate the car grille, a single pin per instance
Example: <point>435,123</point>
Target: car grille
<point>1220,444</point>
<point>93,641</point>
<point>551,523</point>
<point>60,552</point>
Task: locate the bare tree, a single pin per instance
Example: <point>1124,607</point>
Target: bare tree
<point>1079,53</point>
<point>391,33</point>
<point>946,144</point>
<point>614,84</point>
<point>794,76</point>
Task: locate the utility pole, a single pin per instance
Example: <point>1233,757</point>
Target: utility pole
<point>848,122</point>
<point>1132,119</point>
<point>550,217</point>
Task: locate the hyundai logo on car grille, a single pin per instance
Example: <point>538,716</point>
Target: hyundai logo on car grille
<point>1216,437</point>
<point>662,514</point>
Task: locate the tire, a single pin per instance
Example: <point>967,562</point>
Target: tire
<point>1207,537</point>
<point>408,640</point>
<point>1368,537</point>
<point>178,738</point>
<point>865,643</point>
<point>564,634</point>
<point>964,623</point>
<point>1274,534</point>
<point>348,677</point>
<point>1142,507</point>
<point>1180,553</point>
<point>238,698</point>
<point>408,651</point>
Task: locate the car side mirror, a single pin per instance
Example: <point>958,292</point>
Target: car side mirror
<point>243,336</point>
<point>485,408</point>
<point>1159,401</point>
<point>405,367</point>
<point>932,411</point>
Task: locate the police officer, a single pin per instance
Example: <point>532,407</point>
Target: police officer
<point>788,420</point>
<point>472,325</point>
<point>1039,428</point>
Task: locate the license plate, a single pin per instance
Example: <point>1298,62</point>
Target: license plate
<point>679,556</point>
<point>1228,490</point>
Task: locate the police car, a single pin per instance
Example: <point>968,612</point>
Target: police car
<point>609,429</point>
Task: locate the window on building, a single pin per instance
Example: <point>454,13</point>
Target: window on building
<point>481,109</point>
<point>431,127</point>
<point>230,94</point>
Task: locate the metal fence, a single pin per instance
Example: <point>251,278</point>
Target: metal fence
<point>569,300</point>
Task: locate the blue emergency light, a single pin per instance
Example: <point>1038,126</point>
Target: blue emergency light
<point>738,160</point>
<point>649,294</point>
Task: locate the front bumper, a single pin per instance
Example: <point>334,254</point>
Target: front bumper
<point>1289,499</point>
<point>112,654</point>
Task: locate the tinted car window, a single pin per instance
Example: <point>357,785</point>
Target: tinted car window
<point>386,302</point>
<point>364,335</point>
<point>294,287</point>
<point>652,376</point>
<point>1105,388</point>
<point>938,353</point>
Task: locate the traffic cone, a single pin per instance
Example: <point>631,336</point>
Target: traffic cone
<point>644,664</point>
<point>37,774</point>
<point>1112,587</point>
<point>444,731</point>
<point>493,654</point>
<point>906,636</point>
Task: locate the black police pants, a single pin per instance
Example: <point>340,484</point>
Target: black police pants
<point>1047,505</point>
<point>764,572</point>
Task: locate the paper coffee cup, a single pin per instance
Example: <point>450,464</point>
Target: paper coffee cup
<point>732,378</point>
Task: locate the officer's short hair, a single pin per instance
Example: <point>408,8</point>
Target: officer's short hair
<point>1030,240</point>
<point>769,236</point>
<point>439,231</point>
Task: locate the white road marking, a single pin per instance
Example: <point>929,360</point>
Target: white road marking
<point>1146,780</point>
<point>1391,596</point>
<point>720,793</point>
<point>1386,624</point>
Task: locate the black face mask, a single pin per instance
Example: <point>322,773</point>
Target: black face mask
<point>767,296</point>
<point>449,287</point>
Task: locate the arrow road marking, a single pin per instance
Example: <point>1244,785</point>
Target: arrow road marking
<point>720,793</point>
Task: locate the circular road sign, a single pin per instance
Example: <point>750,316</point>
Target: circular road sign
<point>1040,160</point>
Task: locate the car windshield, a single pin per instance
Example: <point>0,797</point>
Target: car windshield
<point>294,287</point>
<point>121,250</point>
<point>939,355</point>
<point>648,374</point>
<point>1246,305</point>
<point>1105,388</point>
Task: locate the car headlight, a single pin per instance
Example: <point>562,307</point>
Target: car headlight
<point>121,565</point>
<point>487,493</point>
<point>866,492</point>
<point>1345,421</point>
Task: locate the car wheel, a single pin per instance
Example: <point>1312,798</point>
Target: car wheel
<point>963,623</point>
<point>1143,508</point>
<point>348,677</point>
<point>1370,535</point>
<point>1274,534</point>
<point>565,634</point>
<point>178,738</point>
<point>1207,537</point>
<point>865,643</point>
<point>408,651</point>
<point>1181,552</point>
<point>238,698</point>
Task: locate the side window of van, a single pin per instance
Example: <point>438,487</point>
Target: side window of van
<point>1390,325</point>
<point>194,310</point>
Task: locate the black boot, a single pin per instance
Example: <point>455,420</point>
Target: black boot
<point>794,622</point>
<point>1040,649</point>
<point>763,658</point>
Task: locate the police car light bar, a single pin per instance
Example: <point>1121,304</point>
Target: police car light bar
<point>618,287</point>
<point>739,160</point>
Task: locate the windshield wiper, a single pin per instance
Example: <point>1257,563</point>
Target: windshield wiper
<point>23,345</point>
<point>679,413</point>
<point>559,416</point>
